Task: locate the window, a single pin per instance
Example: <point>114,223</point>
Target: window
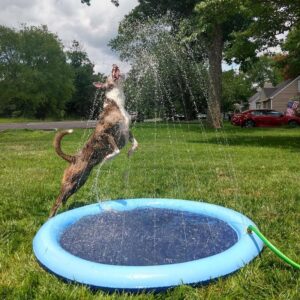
<point>274,113</point>
<point>257,113</point>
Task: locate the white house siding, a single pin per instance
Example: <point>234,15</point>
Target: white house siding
<point>252,105</point>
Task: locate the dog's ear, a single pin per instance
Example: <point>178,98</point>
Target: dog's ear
<point>98,85</point>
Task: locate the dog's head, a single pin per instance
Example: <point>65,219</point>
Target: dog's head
<point>116,76</point>
<point>116,79</point>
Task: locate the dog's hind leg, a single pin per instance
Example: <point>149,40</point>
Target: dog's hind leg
<point>74,178</point>
<point>71,183</point>
<point>62,198</point>
<point>67,190</point>
<point>134,143</point>
<point>55,207</point>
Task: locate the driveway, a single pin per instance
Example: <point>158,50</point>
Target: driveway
<point>49,125</point>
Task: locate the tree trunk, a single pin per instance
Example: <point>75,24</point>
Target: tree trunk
<point>215,49</point>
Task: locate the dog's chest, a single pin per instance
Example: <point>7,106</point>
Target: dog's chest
<point>116,94</point>
<point>127,118</point>
<point>117,125</point>
<point>123,127</point>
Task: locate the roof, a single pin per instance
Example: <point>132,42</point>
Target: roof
<point>269,91</point>
<point>254,97</point>
<point>281,86</point>
<point>272,92</point>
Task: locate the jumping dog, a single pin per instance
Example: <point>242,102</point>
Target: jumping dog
<point>111,134</point>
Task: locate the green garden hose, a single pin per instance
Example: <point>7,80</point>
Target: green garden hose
<point>272,247</point>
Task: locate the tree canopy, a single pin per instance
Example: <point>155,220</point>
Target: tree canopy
<point>81,103</point>
<point>290,61</point>
<point>164,79</point>
<point>36,80</point>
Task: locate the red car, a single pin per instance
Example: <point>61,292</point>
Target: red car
<point>263,118</point>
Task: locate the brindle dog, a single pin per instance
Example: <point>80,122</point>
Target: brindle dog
<point>110,135</point>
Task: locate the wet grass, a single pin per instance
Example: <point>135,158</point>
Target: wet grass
<point>255,171</point>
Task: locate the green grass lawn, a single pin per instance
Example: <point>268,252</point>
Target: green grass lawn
<point>16,120</point>
<point>30,120</point>
<point>254,171</point>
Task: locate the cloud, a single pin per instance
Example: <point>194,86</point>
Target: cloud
<point>93,26</point>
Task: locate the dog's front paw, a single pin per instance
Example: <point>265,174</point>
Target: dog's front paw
<point>132,149</point>
<point>130,152</point>
<point>112,155</point>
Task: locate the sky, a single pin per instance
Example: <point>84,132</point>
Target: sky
<point>93,26</point>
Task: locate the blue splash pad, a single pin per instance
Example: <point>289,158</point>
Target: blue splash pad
<point>145,244</point>
<point>147,236</point>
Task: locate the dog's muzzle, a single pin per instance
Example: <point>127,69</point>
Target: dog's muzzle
<point>115,73</point>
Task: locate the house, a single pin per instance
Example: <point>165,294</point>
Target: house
<point>252,100</point>
<point>277,97</point>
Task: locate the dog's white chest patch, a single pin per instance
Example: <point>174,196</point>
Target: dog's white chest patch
<point>117,95</point>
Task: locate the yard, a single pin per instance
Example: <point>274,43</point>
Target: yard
<point>254,171</point>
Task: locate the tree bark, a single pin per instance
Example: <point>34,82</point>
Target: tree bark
<point>215,50</point>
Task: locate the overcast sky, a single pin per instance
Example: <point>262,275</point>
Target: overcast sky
<point>93,26</point>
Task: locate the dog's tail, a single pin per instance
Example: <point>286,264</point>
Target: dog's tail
<point>57,145</point>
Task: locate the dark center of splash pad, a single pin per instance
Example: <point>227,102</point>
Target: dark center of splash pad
<point>147,236</point>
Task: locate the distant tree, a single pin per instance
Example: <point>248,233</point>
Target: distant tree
<point>236,88</point>
<point>36,80</point>
<point>264,69</point>
<point>88,2</point>
<point>289,62</point>
<point>81,102</point>
<point>10,69</point>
